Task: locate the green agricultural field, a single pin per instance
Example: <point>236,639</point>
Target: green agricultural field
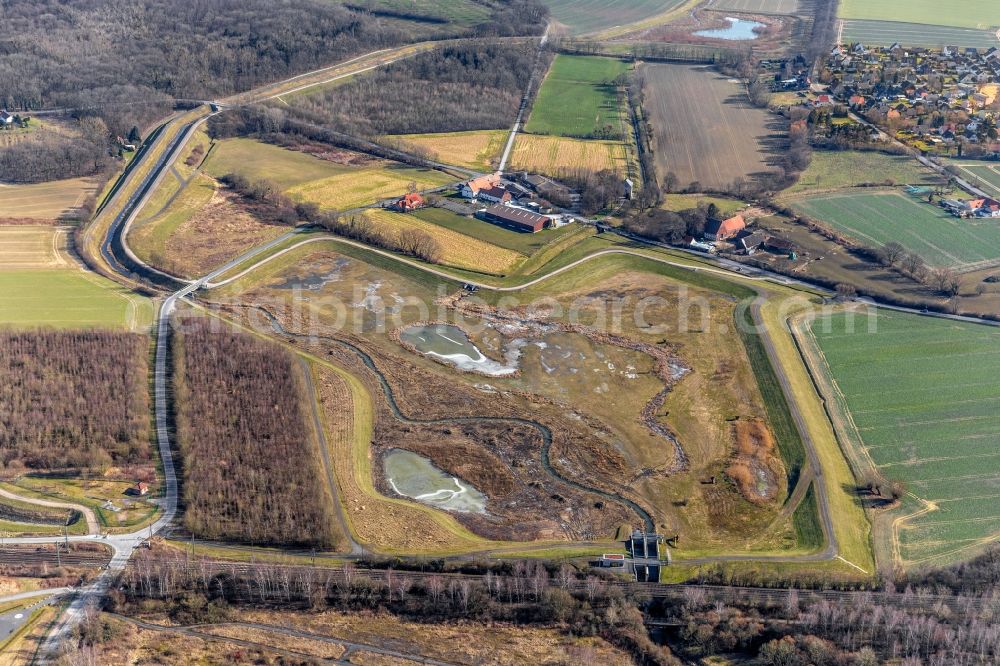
<point>584,16</point>
<point>921,395</point>
<point>833,170</point>
<point>979,14</point>
<point>41,286</point>
<point>578,98</point>
<point>985,175</point>
<point>886,33</point>
<point>876,219</point>
<point>526,244</point>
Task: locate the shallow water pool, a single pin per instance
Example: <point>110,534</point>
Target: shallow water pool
<point>416,477</point>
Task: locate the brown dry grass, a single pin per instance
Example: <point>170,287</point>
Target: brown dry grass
<point>31,246</point>
<point>315,648</point>
<point>216,233</point>
<point>458,249</point>
<point>134,645</point>
<point>755,468</point>
<point>552,154</point>
<point>499,644</point>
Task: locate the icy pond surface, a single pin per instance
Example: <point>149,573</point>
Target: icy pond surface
<point>738,30</point>
<point>451,344</point>
<point>416,477</point>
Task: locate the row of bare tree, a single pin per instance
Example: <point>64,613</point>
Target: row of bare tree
<point>250,466</point>
<point>64,406</point>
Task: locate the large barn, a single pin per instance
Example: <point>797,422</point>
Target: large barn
<point>517,218</point>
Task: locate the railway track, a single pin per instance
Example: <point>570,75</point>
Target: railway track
<point>53,558</point>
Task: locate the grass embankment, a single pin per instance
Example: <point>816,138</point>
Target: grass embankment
<point>850,525</point>
<point>118,194</point>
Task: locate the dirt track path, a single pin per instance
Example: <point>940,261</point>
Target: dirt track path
<point>351,646</point>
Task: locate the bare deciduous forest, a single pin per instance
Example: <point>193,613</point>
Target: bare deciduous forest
<point>900,624</point>
<point>249,464</point>
<point>127,62</point>
<point>455,88</point>
<point>65,404</point>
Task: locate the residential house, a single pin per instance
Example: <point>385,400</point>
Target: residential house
<point>718,230</point>
<point>410,202</point>
<point>6,119</point>
<point>472,188</point>
<point>752,242</point>
<point>494,194</point>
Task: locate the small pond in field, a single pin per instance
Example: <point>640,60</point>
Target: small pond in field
<point>451,344</point>
<point>738,30</point>
<point>416,477</point>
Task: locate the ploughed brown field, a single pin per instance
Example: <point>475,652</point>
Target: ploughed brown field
<point>706,131</point>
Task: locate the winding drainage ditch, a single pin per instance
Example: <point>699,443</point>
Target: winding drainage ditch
<point>542,430</point>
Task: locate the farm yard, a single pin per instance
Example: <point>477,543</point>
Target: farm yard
<point>579,99</point>
<point>920,395</point>
<point>44,201</point>
<point>40,285</point>
<point>705,130</point>
<point>524,243</point>
<point>878,218</point>
<point>585,16</point>
<point>554,155</point>
<point>886,33</point>
<point>474,150</point>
